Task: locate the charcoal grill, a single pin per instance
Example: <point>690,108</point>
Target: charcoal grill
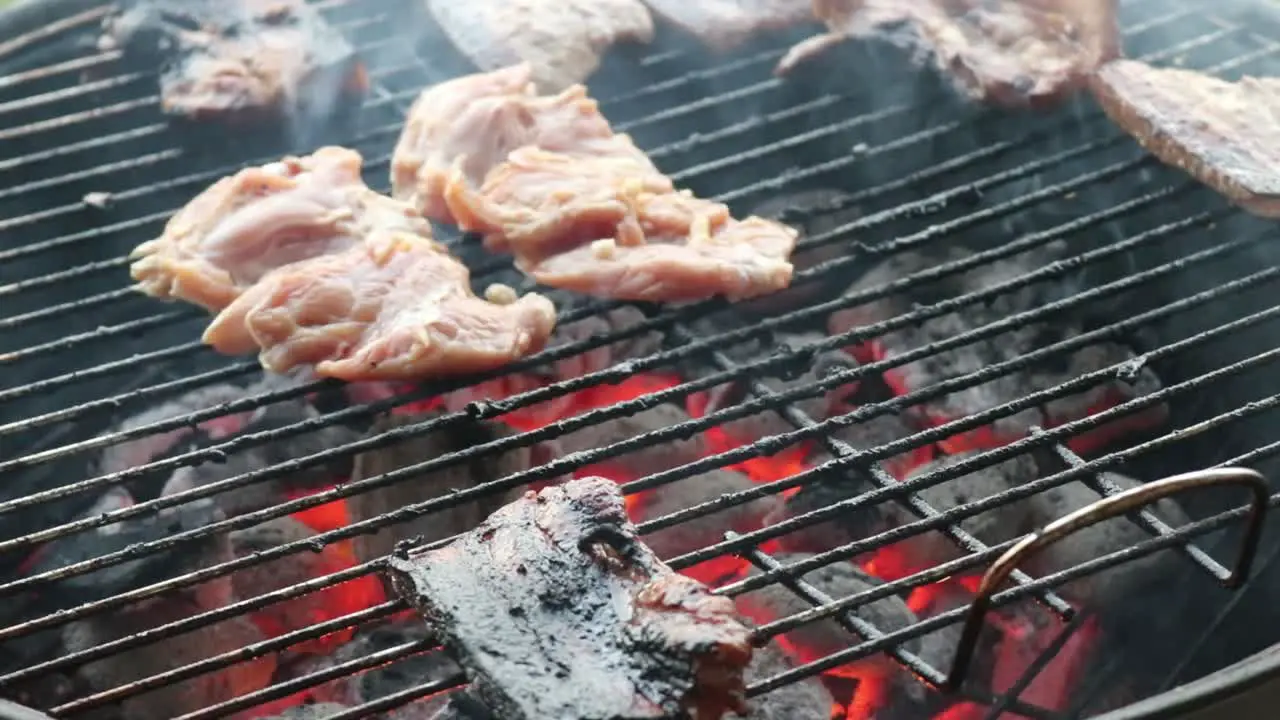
<point>1157,261</point>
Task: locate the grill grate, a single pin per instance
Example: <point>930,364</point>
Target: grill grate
<point>112,334</point>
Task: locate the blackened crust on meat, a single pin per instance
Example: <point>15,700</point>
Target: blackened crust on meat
<point>556,610</point>
<point>242,61</point>
<point>1221,133</point>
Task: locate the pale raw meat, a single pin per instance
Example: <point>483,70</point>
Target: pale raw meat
<point>1224,134</point>
<point>259,219</point>
<point>1007,52</point>
<point>475,122</point>
<point>395,307</point>
<point>606,222</point>
<point>562,40</point>
<point>726,24</point>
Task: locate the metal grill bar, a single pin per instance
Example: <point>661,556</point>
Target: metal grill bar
<point>395,700</point>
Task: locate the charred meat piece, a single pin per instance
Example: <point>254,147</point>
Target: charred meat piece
<point>1007,52</point>
<point>450,438</point>
<point>556,610</point>
<point>262,218</point>
<point>1214,130</point>
<point>1004,347</point>
<point>562,40</point>
<point>473,122</point>
<point>726,24</point>
<point>395,307</point>
<point>606,222</point>
<point>242,61</point>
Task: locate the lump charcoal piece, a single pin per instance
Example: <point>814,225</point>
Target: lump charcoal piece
<point>810,369</point>
<point>799,700</point>
<point>822,211</point>
<point>703,531</point>
<point>1115,587</point>
<point>561,40</point>
<point>450,438</point>
<point>840,485</point>
<point>173,652</point>
<point>818,639</point>
<point>556,609</point>
<point>726,24</point>
<point>983,353</point>
<point>1013,53</point>
<point>602,325</point>
<point>266,493</point>
<point>305,610</point>
<point>242,62</point>
<point>1212,129</point>
<point>379,682</point>
<point>648,460</point>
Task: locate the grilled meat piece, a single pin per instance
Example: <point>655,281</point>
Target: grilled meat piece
<point>1007,52</point>
<point>395,307</point>
<point>562,40</point>
<point>606,222</point>
<point>726,24</point>
<point>557,610</point>
<point>246,225</point>
<point>423,487</point>
<point>242,61</point>
<point>474,122</point>
<point>1214,130</point>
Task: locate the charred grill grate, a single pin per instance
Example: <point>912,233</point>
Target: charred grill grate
<point>78,346</point>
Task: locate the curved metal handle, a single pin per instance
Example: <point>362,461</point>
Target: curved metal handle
<point>1105,509</point>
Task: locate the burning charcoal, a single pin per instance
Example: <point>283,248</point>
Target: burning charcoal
<point>811,369</point>
<point>800,700</point>
<point>707,530</point>
<point>842,485</point>
<point>263,494</point>
<point>557,610</point>
<point>983,354</point>
<point>174,652</point>
<point>602,325</point>
<point>303,611</point>
<point>818,639</point>
<point>454,437</point>
<point>821,211</point>
<point>382,681</point>
<point>652,459</point>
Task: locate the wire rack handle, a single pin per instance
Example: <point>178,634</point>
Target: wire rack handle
<point>1105,509</point>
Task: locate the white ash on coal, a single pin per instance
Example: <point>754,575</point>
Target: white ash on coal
<point>187,438</point>
<point>806,368</point>
<point>1007,346</point>
<point>177,651</point>
<point>800,700</point>
<point>422,487</point>
<point>379,682</point>
<point>841,484</point>
<point>654,458</point>
<point>1014,519</point>
<point>703,531</point>
<point>818,639</point>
